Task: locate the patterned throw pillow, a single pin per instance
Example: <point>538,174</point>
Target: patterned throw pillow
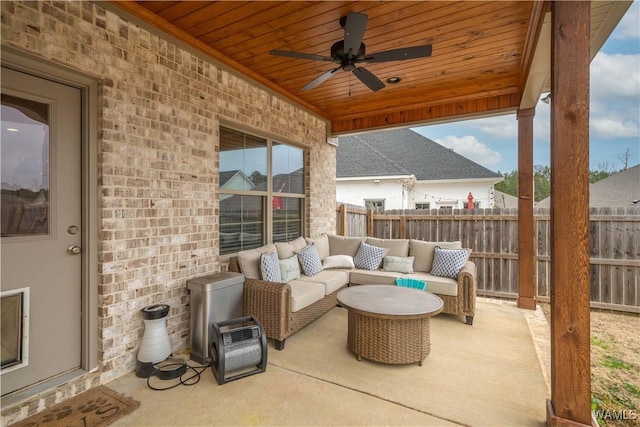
<point>449,262</point>
<point>369,257</point>
<point>289,269</point>
<point>270,267</point>
<point>310,260</point>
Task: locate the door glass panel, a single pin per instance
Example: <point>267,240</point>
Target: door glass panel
<point>24,150</point>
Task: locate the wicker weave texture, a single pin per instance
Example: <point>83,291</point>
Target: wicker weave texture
<point>391,341</point>
<point>270,303</point>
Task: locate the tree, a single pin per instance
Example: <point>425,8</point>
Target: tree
<point>510,183</point>
<point>541,182</point>
<point>257,177</point>
<point>624,158</point>
<point>603,171</point>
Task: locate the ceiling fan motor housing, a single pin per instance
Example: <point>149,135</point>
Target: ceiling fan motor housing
<point>338,53</point>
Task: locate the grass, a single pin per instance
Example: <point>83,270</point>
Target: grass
<point>615,368</point>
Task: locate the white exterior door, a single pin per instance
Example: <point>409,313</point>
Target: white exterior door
<point>41,230</point>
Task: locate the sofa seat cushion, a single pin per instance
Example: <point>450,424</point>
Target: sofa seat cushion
<point>304,293</point>
<point>373,277</point>
<point>437,285</point>
<point>332,280</point>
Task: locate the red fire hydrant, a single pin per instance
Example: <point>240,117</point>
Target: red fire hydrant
<point>470,201</point>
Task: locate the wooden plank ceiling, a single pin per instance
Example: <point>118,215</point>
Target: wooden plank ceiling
<point>481,53</point>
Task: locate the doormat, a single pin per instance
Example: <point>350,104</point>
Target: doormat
<point>99,406</point>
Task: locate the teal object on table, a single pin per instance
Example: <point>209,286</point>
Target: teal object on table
<point>411,283</point>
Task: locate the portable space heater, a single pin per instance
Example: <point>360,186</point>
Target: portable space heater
<point>238,349</point>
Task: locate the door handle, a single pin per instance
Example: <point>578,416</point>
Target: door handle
<point>73,250</point>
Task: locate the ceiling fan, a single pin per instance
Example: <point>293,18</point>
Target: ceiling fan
<point>351,50</point>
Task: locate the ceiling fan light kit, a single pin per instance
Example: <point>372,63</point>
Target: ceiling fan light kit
<point>350,51</point>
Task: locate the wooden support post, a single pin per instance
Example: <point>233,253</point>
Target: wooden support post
<point>570,329</point>
<point>370,213</point>
<point>526,231</point>
<point>343,220</point>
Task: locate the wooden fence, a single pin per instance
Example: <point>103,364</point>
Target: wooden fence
<point>492,234</point>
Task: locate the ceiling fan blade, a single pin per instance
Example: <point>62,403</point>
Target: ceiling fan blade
<point>400,54</point>
<point>354,27</point>
<point>301,55</point>
<point>321,78</point>
<point>368,78</point>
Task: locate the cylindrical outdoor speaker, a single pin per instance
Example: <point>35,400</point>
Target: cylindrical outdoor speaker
<point>155,346</point>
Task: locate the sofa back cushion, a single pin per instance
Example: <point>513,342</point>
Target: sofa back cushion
<point>397,247</point>
<point>424,251</point>
<point>249,260</point>
<point>321,243</point>
<point>341,245</point>
<point>288,249</point>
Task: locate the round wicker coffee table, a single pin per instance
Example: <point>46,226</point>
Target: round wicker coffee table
<point>389,324</point>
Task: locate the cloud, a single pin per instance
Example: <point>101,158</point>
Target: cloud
<point>615,95</point>
<point>610,128</point>
<point>469,147</point>
<point>499,127</point>
<point>615,76</point>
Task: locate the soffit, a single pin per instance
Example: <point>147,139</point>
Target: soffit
<point>483,52</point>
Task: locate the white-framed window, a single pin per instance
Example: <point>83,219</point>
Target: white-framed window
<point>375,204</point>
<point>425,205</point>
<point>262,191</point>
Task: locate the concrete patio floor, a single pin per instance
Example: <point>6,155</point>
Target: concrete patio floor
<point>492,373</point>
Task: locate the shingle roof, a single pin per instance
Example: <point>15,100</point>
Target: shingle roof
<point>618,190</point>
<point>403,152</point>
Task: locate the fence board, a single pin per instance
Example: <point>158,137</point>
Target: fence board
<point>492,234</point>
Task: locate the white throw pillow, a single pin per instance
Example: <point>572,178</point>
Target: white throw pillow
<point>449,262</point>
<point>289,269</point>
<point>398,264</point>
<point>338,261</point>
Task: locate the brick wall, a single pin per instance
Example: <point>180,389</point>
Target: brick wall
<point>159,112</point>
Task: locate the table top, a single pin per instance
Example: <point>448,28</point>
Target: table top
<point>390,301</point>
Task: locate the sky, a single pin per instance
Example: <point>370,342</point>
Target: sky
<point>614,113</point>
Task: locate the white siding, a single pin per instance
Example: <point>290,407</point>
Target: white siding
<point>440,193</point>
<point>355,193</point>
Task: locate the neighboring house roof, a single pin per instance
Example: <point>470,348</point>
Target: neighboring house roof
<point>504,200</point>
<point>234,179</point>
<point>403,152</point>
<point>618,190</point>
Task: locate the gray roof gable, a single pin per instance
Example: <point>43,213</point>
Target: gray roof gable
<point>403,152</point>
<point>619,189</point>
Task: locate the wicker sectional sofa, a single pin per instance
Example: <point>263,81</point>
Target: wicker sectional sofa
<point>285,307</point>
